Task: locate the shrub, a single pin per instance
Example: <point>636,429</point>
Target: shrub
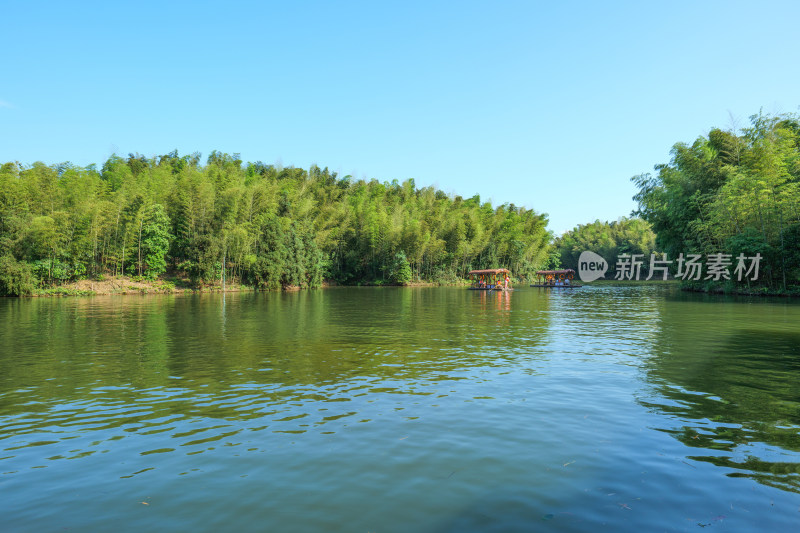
<point>401,270</point>
<point>16,278</point>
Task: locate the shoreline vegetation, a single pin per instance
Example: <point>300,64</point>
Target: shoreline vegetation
<point>251,224</point>
<point>168,223</point>
<point>734,192</point>
<point>120,285</point>
<point>124,285</point>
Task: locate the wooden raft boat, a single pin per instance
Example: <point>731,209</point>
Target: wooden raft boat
<point>492,279</point>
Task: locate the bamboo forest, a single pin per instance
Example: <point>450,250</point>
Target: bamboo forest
<point>267,227</point>
<point>257,224</point>
<point>737,193</point>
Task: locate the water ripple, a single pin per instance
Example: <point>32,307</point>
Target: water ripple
<point>625,409</point>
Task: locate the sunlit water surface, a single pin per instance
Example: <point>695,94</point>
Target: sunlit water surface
<point>387,410</point>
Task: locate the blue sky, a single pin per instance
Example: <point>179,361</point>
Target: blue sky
<point>551,107</point>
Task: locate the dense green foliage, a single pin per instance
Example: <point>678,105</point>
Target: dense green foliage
<point>155,240</point>
<point>15,277</point>
<point>609,240</point>
<point>732,193</point>
<point>250,223</point>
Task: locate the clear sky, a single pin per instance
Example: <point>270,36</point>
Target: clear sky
<point>549,105</point>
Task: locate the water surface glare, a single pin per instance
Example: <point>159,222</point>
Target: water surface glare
<point>387,410</point>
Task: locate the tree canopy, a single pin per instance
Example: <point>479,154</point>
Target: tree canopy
<point>733,192</point>
<point>609,240</point>
<point>258,224</point>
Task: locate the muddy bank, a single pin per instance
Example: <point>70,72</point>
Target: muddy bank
<point>127,285</point>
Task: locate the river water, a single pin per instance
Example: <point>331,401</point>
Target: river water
<point>388,410</point>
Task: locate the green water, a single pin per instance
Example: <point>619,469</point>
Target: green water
<point>429,409</point>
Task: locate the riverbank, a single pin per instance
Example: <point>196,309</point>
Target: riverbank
<point>702,287</point>
<point>119,285</point>
<point>124,285</point>
<point>730,288</point>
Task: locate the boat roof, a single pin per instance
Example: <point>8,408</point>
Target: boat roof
<point>545,272</point>
<point>491,271</point>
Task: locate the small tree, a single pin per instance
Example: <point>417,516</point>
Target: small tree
<point>401,270</point>
<point>15,277</point>
<point>155,240</point>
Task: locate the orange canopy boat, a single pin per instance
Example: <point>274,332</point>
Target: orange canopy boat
<point>490,279</point>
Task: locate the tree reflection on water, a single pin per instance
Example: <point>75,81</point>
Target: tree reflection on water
<point>727,376</point>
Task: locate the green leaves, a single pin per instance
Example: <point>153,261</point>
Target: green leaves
<point>740,191</point>
<point>252,223</point>
<point>16,278</point>
<point>401,270</point>
<point>155,240</point>
<point>608,239</point>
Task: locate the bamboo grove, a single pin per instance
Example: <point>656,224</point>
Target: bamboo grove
<point>255,224</point>
<point>732,192</point>
<point>608,239</point>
